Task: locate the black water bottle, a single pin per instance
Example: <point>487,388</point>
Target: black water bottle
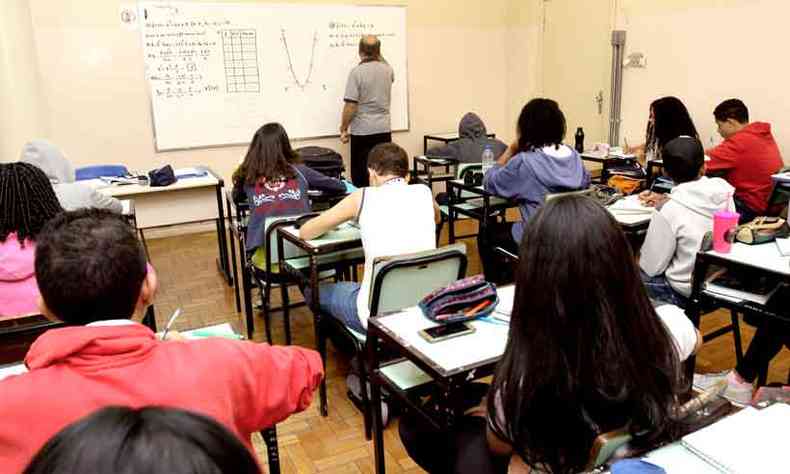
<point>579,140</point>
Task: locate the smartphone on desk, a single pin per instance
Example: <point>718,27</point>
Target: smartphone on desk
<point>446,331</point>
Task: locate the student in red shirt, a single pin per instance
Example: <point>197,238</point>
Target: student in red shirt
<point>92,274</point>
<point>746,158</point>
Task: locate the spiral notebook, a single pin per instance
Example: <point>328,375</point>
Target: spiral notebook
<point>749,441</point>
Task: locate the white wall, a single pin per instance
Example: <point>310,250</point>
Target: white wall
<point>96,102</point>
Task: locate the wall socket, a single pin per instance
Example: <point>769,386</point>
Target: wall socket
<point>636,60</point>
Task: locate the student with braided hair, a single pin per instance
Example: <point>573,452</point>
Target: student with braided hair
<point>27,202</point>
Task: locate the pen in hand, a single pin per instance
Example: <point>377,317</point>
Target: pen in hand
<point>170,322</point>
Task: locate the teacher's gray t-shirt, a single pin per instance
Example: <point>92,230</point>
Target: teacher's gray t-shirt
<point>370,86</point>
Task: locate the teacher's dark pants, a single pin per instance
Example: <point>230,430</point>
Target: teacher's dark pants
<point>360,149</point>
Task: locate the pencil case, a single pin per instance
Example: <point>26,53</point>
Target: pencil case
<point>464,300</point>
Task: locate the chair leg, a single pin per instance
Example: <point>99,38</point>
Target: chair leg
<point>267,308</point>
<point>736,334</point>
<point>321,343</point>
<point>269,436</point>
<point>235,272</point>
<point>286,305</point>
<point>367,412</point>
<point>247,288</point>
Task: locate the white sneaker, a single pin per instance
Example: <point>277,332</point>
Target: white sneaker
<point>737,392</point>
<point>703,382</point>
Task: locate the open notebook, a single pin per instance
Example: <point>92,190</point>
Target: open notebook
<point>749,441</point>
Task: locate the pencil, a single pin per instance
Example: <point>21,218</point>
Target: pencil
<point>477,308</point>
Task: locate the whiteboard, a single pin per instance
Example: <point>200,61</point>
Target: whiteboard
<point>217,72</point>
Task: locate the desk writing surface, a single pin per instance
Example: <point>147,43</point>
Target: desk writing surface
<point>136,189</point>
<point>630,211</point>
<point>444,136</point>
<point>765,256</point>
<point>486,343</point>
<point>12,369</point>
<point>345,232</point>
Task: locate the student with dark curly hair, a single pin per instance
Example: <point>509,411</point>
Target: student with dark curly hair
<point>27,202</point>
<point>538,163</point>
<point>144,441</point>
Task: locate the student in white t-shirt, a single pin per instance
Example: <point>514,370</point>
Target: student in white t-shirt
<point>395,218</point>
<point>587,354</point>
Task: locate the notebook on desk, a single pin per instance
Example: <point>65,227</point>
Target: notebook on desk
<point>748,441</point>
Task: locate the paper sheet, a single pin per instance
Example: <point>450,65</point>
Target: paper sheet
<point>220,330</point>
<point>748,441</point>
<point>676,459</point>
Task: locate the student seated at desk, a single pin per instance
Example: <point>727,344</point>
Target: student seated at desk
<point>676,230</point>
<point>144,441</point>
<point>27,203</point>
<point>538,163</point>
<point>275,184</point>
<point>747,158</point>
<point>395,218</point>
<point>71,194</point>
<point>270,142</point>
<point>92,273</point>
<point>472,141</point>
<point>587,354</point>
<point>668,119</point>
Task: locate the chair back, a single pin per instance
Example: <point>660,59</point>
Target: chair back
<point>97,171</point>
<point>402,281</point>
<point>270,227</point>
<point>604,447</point>
<point>463,169</point>
<point>590,192</point>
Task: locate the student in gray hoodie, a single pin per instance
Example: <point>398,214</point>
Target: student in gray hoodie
<point>71,194</point>
<point>676,230</point>
<point>473,139</point>
<point>538,163</point>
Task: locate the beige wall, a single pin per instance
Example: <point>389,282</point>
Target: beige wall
<point>22,112</point>
<point>96,102</point>
<point>705,51</point>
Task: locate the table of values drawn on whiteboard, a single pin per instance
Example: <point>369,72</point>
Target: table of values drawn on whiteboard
<point>216,72</point>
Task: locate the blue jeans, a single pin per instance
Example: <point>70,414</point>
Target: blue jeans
<point>659,291</point>
<point>339,300</point>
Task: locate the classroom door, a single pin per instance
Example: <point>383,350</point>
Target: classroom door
<point>577,59</point>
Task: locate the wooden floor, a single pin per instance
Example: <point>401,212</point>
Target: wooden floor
<point>336,444</point>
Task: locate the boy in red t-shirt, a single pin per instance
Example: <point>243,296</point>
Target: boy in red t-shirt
<point>746,158</point>
<point>92,273</point>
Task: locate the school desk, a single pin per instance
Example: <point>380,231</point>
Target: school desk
<point>444,138</point>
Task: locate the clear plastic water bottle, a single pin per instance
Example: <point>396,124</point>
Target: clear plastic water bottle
<point>487,158</point>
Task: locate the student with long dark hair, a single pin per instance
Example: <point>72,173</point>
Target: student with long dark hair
<point>587,353</point>
<point>538,163</point>
<point>27,202</point>
<point>668,119</point>
<point>275,182</point>
<point>144,441</point>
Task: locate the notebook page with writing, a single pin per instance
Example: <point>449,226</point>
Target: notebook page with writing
<point>748,441</point>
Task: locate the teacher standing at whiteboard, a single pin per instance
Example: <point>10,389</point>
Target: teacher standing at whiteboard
<point>366,113</point>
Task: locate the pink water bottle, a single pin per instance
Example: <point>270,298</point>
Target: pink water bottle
<point>723,222</point>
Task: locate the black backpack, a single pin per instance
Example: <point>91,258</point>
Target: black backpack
<point>323,160</point>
